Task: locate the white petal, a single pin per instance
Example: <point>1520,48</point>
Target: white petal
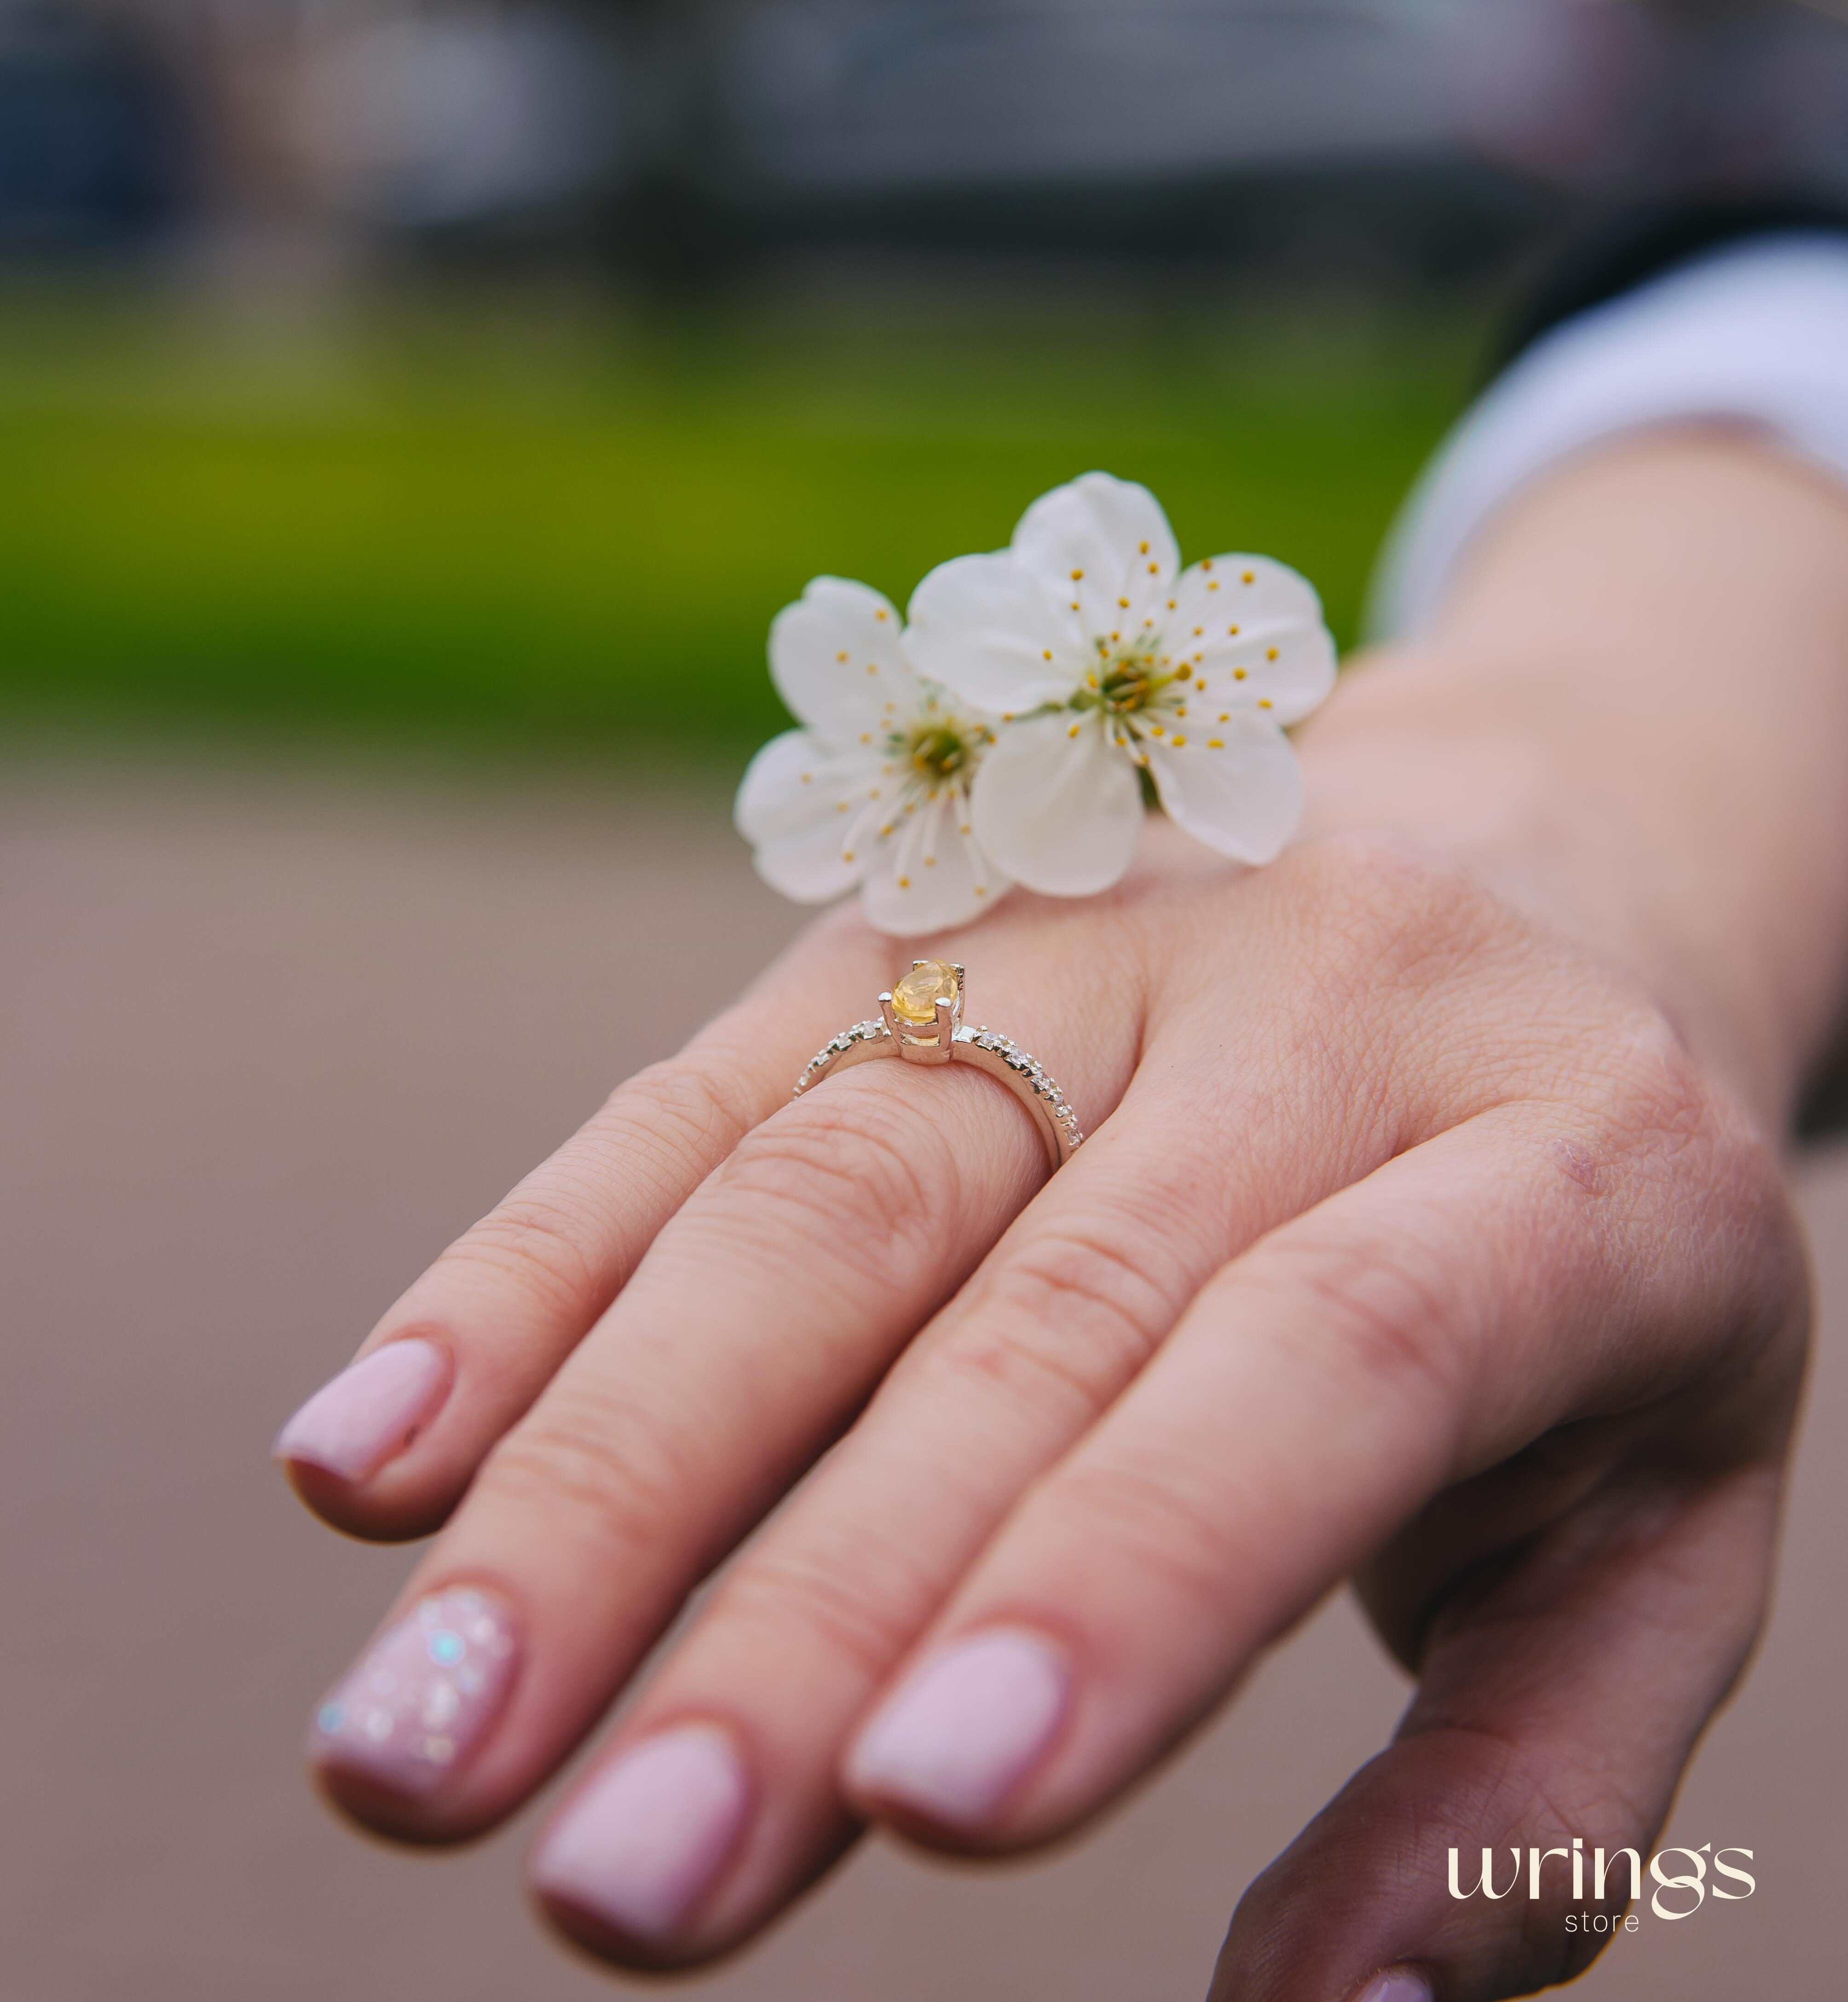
<point>1236,786</point>
<point>1104,545</point>
<point>932,876</point>
<point>982,626</point>
<point>837,662</point>
<point>1057,805</point>
<point>797,806</point>
<point>1249,613</point>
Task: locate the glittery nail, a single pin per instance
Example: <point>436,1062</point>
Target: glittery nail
<point>420,1699</point>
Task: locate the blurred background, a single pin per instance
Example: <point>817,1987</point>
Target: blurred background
<point>410,417</point>
<point>496,367</point>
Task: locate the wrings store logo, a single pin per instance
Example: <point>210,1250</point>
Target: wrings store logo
<point>1679,1893</point>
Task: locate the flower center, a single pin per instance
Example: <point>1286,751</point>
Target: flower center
<point>936,751</point>
<point>1123,684</point>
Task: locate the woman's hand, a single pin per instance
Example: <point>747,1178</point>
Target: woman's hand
<point>1427,1232</point>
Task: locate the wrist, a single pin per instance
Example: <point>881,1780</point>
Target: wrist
<point>1631,712</point>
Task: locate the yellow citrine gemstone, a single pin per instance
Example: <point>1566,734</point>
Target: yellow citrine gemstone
<point>915,997</point>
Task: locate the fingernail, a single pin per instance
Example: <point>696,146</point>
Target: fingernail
<point>965,1727</point>
<point>643,1840</point>
<point>1397,1984</point>
<point>368,1413</point>
<point>422,1697</point>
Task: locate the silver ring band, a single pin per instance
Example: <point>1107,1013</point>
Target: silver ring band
<point>903,1031</point>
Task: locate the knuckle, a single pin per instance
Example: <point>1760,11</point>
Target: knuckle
<point>543,1246</point>
<point>1077,1313</point>
<point>617,1482</point>
<point>1651,1092</point>
<point>686,1104</point>
<point>1690,1154</point>
<point>1384,912</point>
<point>1151,1519</point>
<point>851,1168</point>
<point>868,1623</point>
<point>1383,1317</point>
<point>555,1235</point>
<point>1649,1106</point>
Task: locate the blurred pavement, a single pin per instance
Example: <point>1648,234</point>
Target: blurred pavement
<point>267,1040</point>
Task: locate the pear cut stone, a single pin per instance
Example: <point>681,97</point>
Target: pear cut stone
<point>915,997</point>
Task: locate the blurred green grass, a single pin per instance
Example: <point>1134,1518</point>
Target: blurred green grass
<point>538,522</point>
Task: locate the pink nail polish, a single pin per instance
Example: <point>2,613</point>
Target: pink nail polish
<point>642,1843</point>
<point>369,1413</point>
<point>965,1727</point>
<point>1397,1984</point>
<point>422,1697</point>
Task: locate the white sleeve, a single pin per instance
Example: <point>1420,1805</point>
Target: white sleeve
<point>1757,332</point>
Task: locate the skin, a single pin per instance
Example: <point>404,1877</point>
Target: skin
<point>1431,1234</point>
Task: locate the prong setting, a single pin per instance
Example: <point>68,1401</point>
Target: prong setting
<point>944,1039</point>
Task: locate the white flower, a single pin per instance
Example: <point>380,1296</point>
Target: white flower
<point>1104,659</point>
<point>874,789</point>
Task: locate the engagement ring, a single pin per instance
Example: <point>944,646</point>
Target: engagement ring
<point>920,1020</point>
